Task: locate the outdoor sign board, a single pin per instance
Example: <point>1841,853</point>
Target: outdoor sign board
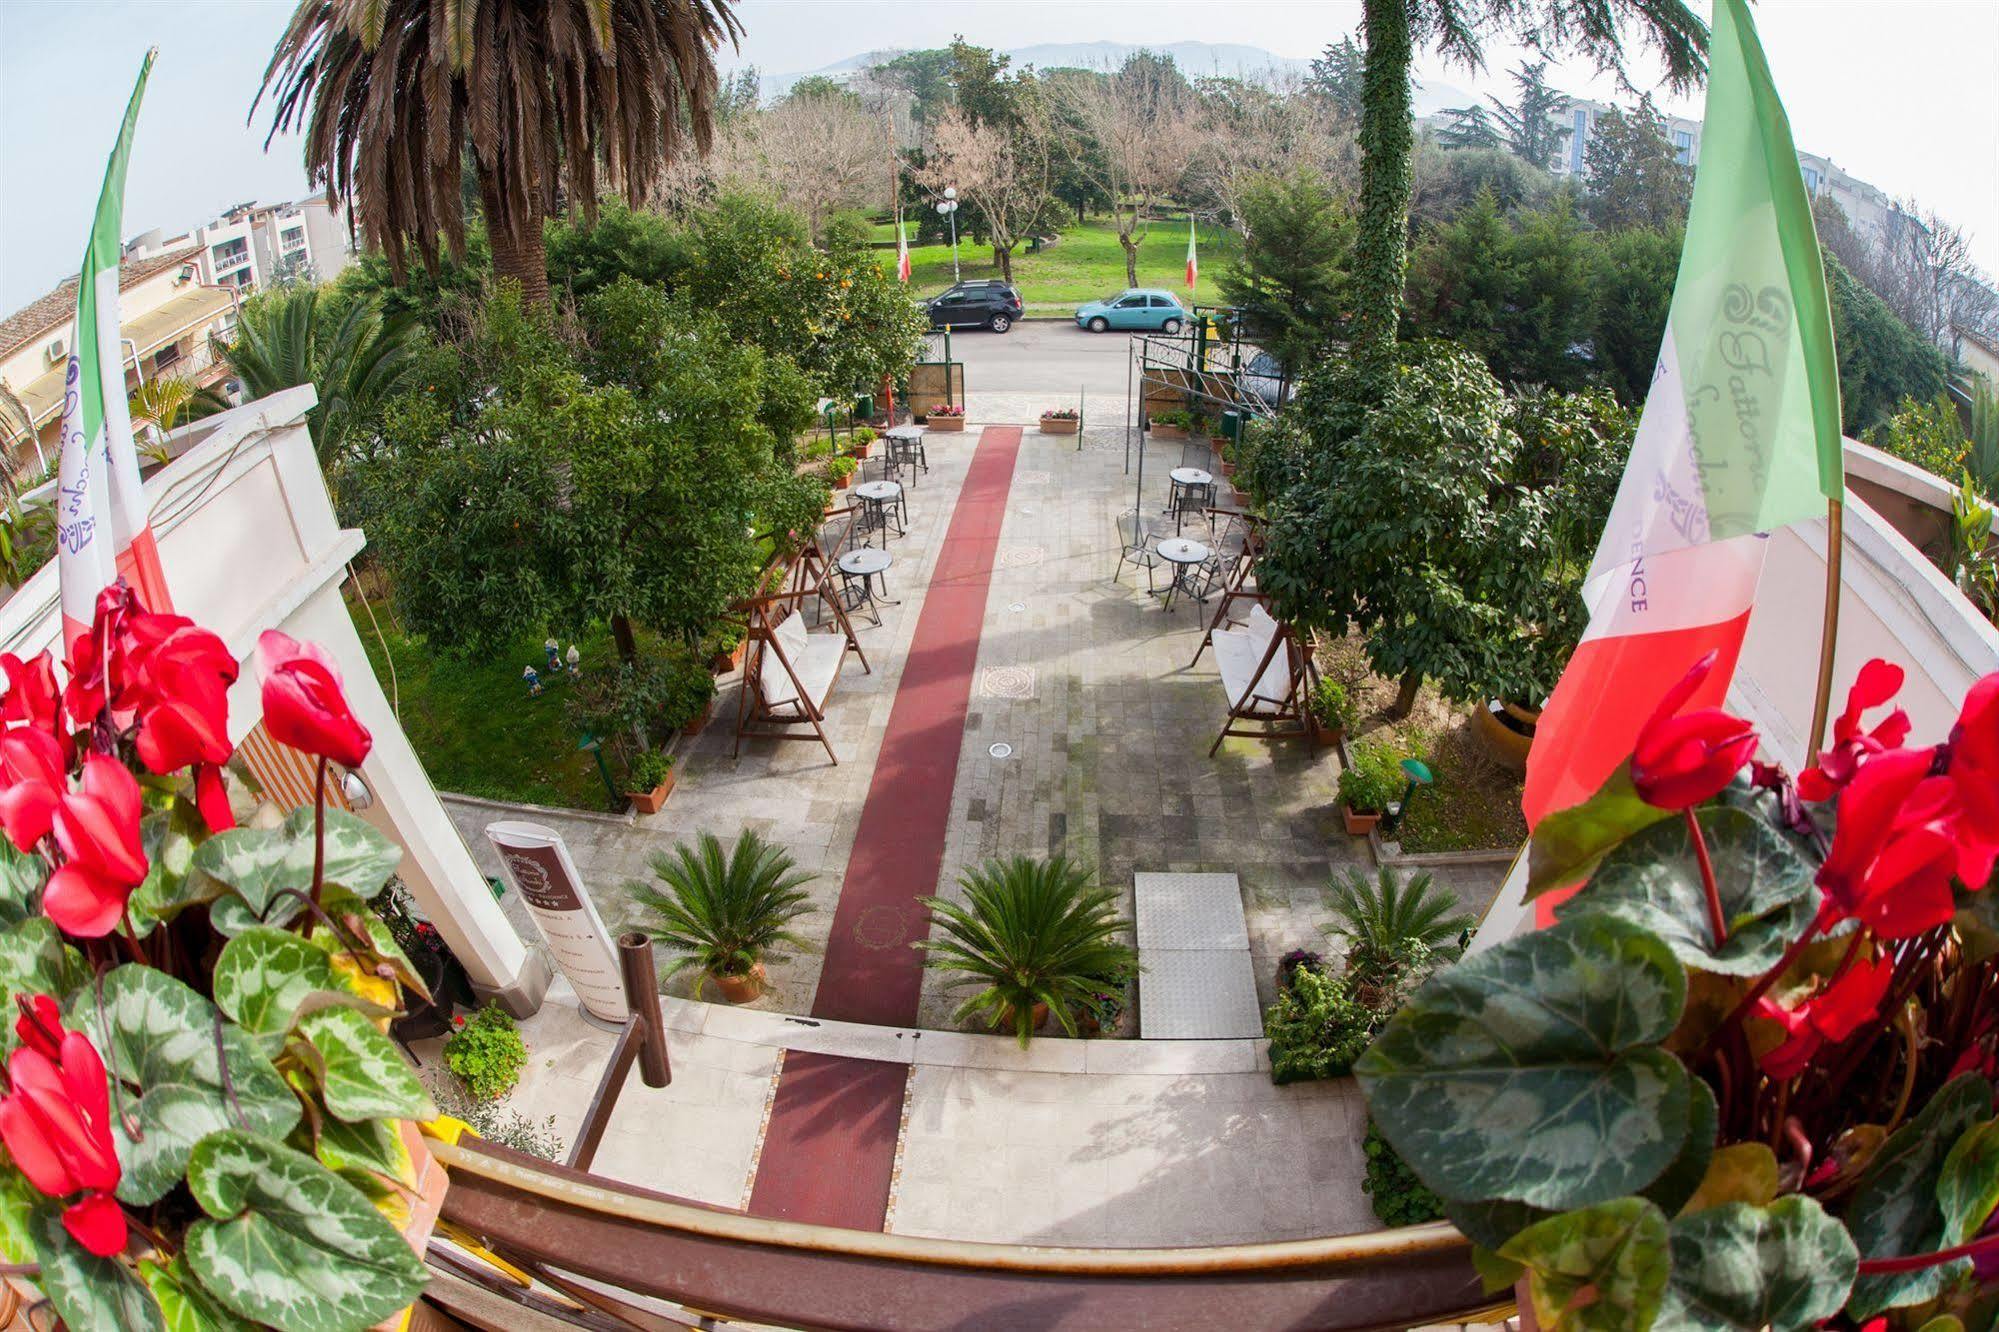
<point>539,867</point>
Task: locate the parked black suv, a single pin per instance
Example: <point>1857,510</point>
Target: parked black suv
<point>987,303</point>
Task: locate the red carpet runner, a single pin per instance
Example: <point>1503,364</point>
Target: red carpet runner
<point>830,1144</point>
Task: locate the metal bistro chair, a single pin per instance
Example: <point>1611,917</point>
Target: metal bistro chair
<point>1135,544</point>
<point>1217,571</point>
<point>1191,500</point>
<point>909,454</point>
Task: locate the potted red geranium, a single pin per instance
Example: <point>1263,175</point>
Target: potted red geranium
<point>202,1111</point>
<point>1746,1079</point>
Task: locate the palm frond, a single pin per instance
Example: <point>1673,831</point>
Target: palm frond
<point>724,911</point>
<point>1385,920</point>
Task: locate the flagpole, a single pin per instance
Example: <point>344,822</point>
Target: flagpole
<point>1835,549</point>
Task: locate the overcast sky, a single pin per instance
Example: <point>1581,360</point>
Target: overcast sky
<point>1899,92</point>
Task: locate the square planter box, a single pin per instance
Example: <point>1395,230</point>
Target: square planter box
<point>842,482</point>
<point>1060,425</point>
<point>1168,431</point>
<point>945,423</point>
<point>1358,825</point>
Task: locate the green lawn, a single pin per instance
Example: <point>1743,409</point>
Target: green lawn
<point>473,724</point>
<point>1084,264</point>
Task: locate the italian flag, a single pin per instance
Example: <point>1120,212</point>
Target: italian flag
<point>102,529</point>
<point>901,250</point>
<point>1193,263</point>
<point>1740,436</point>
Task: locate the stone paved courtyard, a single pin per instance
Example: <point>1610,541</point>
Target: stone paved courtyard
<point>1085,679</point>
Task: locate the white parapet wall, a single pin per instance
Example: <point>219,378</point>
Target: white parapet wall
<point>1894,604</point>
<point>249,542</point>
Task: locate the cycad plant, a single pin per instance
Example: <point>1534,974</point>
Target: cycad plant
<point>1028,932</point>
<point>168,402</point>
<point>1392,927</point>
<point>724,911</point>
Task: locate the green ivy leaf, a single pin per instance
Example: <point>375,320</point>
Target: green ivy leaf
<point>35,960</point>
<point>1567,844</point>
<point>361,1073</point>
<point>1679,1180</point>
<point>291,1243</point>
<point>21,880</point>
<point>88,1291</point>
<point>161,1041</point>
<point>264,975</point>
<point>1895,1212</point>
<point>188,1308</point>
<point>1653,880</point>
<point>1968,1188</point>
<point>259,863</point>
<point>1603,1267</point>
<point>1531,1071</point>
<point>1782,1267</point>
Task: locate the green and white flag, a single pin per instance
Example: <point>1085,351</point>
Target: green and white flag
<point>102,529</point>
<point>1740,436</point>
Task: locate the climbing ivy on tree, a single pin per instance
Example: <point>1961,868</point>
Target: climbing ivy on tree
<point>1387,138</point>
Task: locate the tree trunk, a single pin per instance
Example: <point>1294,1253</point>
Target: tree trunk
<point>1405,697</point>
<point>1079,210</point>
<point>523,255</point>
<point>1387,141</point>
<point>628,643</point>
<point>1130,258</point>
<point>1004,258</point>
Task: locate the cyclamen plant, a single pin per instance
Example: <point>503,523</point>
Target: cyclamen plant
<point>1746,1079</point>
<point>201,1111</point>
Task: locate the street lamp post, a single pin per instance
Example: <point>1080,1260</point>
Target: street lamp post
<point>948,208</point>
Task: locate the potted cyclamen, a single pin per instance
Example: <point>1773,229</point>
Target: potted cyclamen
<point>1762,1031</point>
<point>726,912</point>
<point>1061,421</point>
<point>946,417</point>
<point>230,985</point>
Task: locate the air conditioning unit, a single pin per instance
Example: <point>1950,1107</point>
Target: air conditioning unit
<point>57,351</point>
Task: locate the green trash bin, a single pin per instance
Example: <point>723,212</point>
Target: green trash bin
<point>1232,426</point>
<point>864,407</point>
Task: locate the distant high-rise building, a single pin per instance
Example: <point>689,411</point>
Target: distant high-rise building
<point>256,245</point>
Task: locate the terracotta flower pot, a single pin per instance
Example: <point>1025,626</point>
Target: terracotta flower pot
<point>1168,431</point>
<point>1503,733</point>
<point>1039,1019</point>
<point>842,482</point>
<point>1324,736</point>
<point>722,663</point>
<point>744,989</point>
<point>946,424</point>
<point>1228,468</point>
<point>1359,825</point>
<point>649,802</point>
<point>1060,425</point>
<point>700,719</point>
<point>861,450</point>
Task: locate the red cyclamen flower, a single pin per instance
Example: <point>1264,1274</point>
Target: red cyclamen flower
<point>1896,848</point>
<point>1877,682</point>
<point>304,706</point>
<point>1971,762</point>
<point>98,830</point>
<point>32,771</point>
<point>1842,1008</point>
<point>1681,760</point>
<point>56,1125</point>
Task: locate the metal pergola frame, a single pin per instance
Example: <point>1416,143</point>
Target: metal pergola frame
<point>1185,363</point>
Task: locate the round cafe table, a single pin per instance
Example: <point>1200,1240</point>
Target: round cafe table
<point>1188,481</point>
<point>1185,556</point>
<point>882,501</point>
<point>866,564</point>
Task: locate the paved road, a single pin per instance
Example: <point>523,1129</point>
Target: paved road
<point>1042,356</point>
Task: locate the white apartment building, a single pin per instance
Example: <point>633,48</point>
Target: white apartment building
<point>254,245</point>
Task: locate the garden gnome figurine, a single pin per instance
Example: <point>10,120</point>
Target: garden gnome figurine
<point>575,660</point>
<point>554,650</point>
<point>533,678</point>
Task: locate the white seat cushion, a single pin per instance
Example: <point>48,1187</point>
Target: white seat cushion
<point>1260,625</point>
<point>817,666</point>
<point>772,679</point>
<point>1237,653</point>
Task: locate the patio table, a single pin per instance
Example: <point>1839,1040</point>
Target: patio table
<point>1184,556</point>
<point>867,564</point>
<point>880,501</point>
<point>1188,484</point>
<point>905,445</point>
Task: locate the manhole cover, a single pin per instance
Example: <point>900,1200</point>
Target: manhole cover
<point>1033,478</point>
<point>1001,750</point>
<point>1016,557</point>
<point>1007,682</point>
<point>1016,607</point>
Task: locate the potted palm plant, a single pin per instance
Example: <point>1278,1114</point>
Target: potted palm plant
<point>1394,930</point>
<point>725,912</point>
<point>1034,938</point>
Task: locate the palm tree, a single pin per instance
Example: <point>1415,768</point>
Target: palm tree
<point>725,911</point>
<point>1029,933</point>
<point>355,362</point>
<point>1388,924</point>
<point>168,402</point>
<point>389,92</point>
<point>1393,28</point>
